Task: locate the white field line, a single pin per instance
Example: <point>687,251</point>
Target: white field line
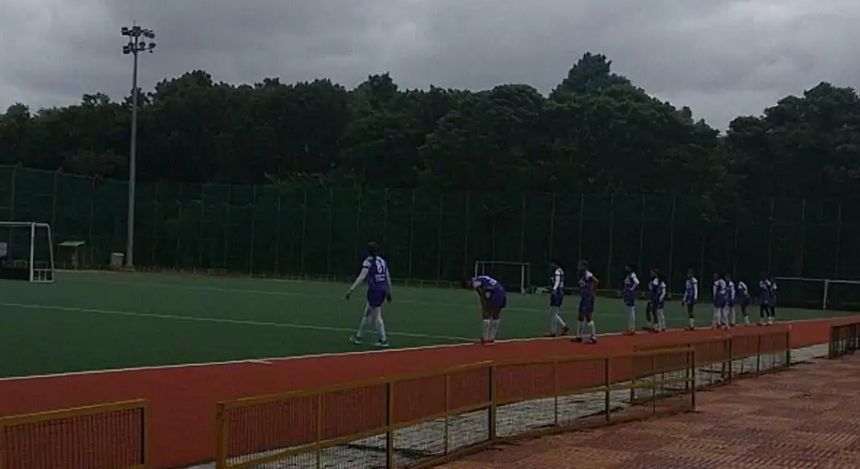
<point>462,341</point>
<point>240,322</point>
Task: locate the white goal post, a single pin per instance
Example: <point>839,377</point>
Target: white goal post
<point>27,252</point>
<point>823,293</point>
<point>513,275</point>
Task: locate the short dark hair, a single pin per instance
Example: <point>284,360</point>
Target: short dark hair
<point>373,248</point>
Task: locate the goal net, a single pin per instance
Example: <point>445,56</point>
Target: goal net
<point>818,293</point>
<point>26,252</point>
<point>515,276</point>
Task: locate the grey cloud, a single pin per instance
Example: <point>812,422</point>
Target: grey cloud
<point>722,58</point>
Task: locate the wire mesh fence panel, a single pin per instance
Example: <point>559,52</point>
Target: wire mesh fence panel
<point>430,235</point>
<point>265,219</point>
<point>752,240</point>
<point>626,237</point>
<point>538,229</point>
<point>566,228</point>
<point>786,242</point>
<point>455,258</point>
<point>397,231</point>
<point>820,239</point>
<point>427,218</point>
<point>596,233</point>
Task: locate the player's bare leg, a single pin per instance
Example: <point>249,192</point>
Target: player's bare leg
<point>733,316</point>
<point>691,318</point>
<point>590,329</point>
<point>631,319</point>
<point>495,321</point>
<point>661,320</point>
<point>356,338</point>
<point>376,314</point>
<point>771,316</point>
<point>486,323</point>
<point>580,325</point>
<point>718,317</point>
<point>745,314</point>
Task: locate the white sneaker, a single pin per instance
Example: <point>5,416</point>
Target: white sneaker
<point>382,344</point>
<point>355,339</point>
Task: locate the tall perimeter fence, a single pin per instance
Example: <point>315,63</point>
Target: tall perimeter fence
<point>433,236</point>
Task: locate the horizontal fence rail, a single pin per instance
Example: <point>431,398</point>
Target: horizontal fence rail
<point>720,360</point>
<point>107,436</point>
<point>431,235</point>
<point>418,420</point>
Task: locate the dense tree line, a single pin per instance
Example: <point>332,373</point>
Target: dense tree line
<point>595,132</point>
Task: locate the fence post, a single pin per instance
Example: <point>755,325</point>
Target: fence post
<point>303,248</point>
<point>672,238</point>
<point>411,233</point>
<point>581,221</point>
<point>54,200</point>
<point>611,239</point>
<point>384,216</point>
<point>92,182</point>
<point>12,193</point>
<point>227,224</point>
<point>523,231</point>
<point>253,229</point>
<point>552,225</point>
<point>642,235</point>
<point>277,265</point>
<point>466,237</point>
<point>439,236</point>
<point>202,240</point>
<point>770,237</point>
<point>356,243</point>
<point>838,240</point>
<point>799,259</point>
<point>330,228</point>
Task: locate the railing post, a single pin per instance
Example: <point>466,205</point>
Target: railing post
<point>389,449</point>
<point>492,412</point>
<point>389,422</point>
<point>607,383</point>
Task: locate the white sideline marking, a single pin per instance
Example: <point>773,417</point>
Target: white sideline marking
<point>288,293</point>
<point>220,320</point>
<point>466,342</point>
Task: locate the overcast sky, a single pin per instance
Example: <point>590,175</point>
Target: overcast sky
<point>720,57</point>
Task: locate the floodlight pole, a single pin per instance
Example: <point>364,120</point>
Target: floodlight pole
<point>137,42</point>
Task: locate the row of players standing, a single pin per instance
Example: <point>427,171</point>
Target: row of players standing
<point>493,298</point>
<point>727,298</point>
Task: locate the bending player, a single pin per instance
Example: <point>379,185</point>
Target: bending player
<point>768,300</point>
<point>657,299</point>
<point>374,269</point>
<point>744,298</point>
<point>691,296</point>
<point>556,324</point>
<point>493,301</point>
<point>628,295</point>
<point>585,329</point>
<point>719,292</point>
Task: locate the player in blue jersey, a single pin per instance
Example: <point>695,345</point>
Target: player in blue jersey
<point>657,300</point>
<point>586,330</point>
<point>720,295</point>
<point>556,298</point>
<point>628,295</point>
<point>744,300</point>
<point>374,270</point>
<point>493,301</point>
<point>767,311</point>
<point>731,294</point>
<point>691,296</point>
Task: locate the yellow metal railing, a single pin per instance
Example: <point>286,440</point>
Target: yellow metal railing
<point>106,436</point>
<point>421,419</point>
